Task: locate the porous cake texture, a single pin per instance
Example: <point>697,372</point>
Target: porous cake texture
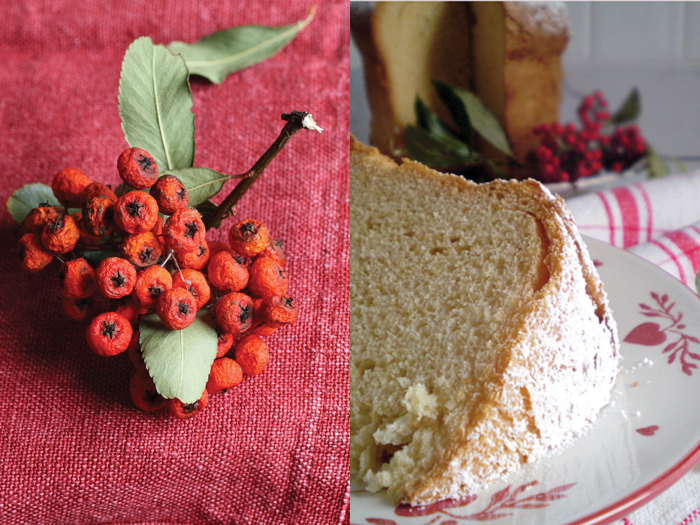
<point>481,335</point>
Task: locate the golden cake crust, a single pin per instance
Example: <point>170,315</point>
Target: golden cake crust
<point>553,366</point>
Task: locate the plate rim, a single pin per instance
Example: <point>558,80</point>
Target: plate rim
<point>652,489</point>
<point>669,477</point>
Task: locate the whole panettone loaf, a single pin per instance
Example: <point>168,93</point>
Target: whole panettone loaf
<point>481,335</point>
<point>507,53</point>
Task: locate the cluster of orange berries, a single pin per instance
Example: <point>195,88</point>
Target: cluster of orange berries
<point>243,282</point>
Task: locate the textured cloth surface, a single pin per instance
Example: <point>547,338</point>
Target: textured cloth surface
<point>273,450</point>
<point>658,220</point>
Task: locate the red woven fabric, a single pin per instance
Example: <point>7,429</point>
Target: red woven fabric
<point>273,450</point>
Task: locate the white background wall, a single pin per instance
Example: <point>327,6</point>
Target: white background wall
<point>635,31</point>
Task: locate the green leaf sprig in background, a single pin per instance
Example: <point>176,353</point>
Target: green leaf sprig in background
<point>220,54</point>
<point>435,143</point>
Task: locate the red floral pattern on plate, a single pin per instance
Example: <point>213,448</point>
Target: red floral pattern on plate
<point>501,505</point>
<point>648,431</point>
<point>653,334</point>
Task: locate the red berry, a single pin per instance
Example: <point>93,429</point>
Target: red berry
<point>109,334</point>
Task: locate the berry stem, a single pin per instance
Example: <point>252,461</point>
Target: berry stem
<point>296,120</point>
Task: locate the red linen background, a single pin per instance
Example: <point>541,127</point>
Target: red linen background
<point>273,450</point>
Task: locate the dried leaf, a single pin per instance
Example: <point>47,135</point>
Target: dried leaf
<point>224,52</point>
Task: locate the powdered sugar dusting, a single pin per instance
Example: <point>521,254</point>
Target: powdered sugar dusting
<point>557,375</point>
<point>551,18</point>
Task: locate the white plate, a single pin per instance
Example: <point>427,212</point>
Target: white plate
<point>644,441</point>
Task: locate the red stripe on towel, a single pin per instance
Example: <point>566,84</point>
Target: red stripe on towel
<point>647,203</point>
<point>671,255</point>
<point>611,221</point>
<point>630,216</point>
<point>690,248</point>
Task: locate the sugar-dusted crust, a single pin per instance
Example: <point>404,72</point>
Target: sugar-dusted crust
<point>553,370</point>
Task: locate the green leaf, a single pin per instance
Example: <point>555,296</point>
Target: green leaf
<point>657,167</point>
<point>155,104</point>
<point>96,257</point>
<point>179,361</point>
<point>697,283</point>
<point>436,152</point>
<point>25,198</point>
<point>207,208</point>
<point>680,166</point>
<point>630,108</point>
<point>458,110</point>
<point>201,183</point>
<point>219,54</point>
<point>430,122</point>
<point>482,120</point>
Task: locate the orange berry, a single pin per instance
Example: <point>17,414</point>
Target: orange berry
<point>142,249</point>
<point>61,234</point>
<point>225,373</point>
<point>185,411</point>
<point>129,308</point>
<point>85,237</point>
<point>98,216</point>
<point>144,393</point>
<point>78,278</point>
<point>267,278</point>
<point>109,334</point>
<point>78,309</point>
<point>115,277</point>
<point>134,351</point>
<point>37,218</point>
<point>136,212</point>
<point>264,330</point>
<point>170,194</point>
<point>177,308</point>
<point>227,272</point>
<point>260,326</point>
<point>275,250</point>
<point>234,312</point>
<point>195,259</point>
<point>280,309</point>
<point>137,168</point>
<point>97,189</point>
<point>150,284</point>
<point>34,255</point>
<point>252,354</point>
<point>197,285</point>
<point>184,230</point>
<point>68,186</point>
<point>248,237</point>
<point>218,246</point>
<point>224,342</point>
